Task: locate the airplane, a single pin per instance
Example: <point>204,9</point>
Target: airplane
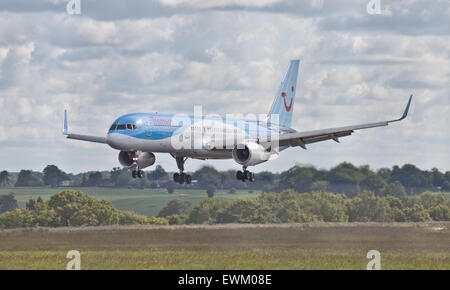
<point>138,136</point>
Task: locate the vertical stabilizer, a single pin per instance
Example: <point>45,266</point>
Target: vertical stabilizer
<point>283,105</point>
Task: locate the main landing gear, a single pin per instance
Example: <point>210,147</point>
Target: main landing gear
<point>181,177</point>
<point>245,175</point>
<point>137,173</point>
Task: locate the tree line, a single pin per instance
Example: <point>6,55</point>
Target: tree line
<point>74,208</point>
<point>344,178</point>
<point>290,207</point>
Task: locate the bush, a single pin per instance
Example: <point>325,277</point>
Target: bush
<point>78,209</point>
<point>16,218</point>
<point>366,207</point>
<point>204,212</point>
<point>73,208</point>
<point>175,206</point>
<point>177,219</point>
<point>157,221</point>
<point>131,218</point>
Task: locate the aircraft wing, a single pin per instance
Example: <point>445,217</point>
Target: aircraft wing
<point>78,136</point>
<point>307,137</point>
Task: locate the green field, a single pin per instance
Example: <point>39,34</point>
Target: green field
<point>142,201</point>
<point>287,246</point>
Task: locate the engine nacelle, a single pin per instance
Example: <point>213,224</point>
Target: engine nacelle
<point>129,159</point>
<point>251,154</point>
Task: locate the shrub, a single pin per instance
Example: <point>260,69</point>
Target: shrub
<point>177,219</point>
<point>73,208</point>
<point>131,218</point>
<point>175,206</point>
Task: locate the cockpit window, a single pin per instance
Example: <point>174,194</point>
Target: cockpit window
<point>123,127</point>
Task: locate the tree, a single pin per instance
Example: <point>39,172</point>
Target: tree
<point>175,206</point>
<point>95,179</point>
<point>345,173</point>
<point>320,185</point>
<point>208,175</point>
<point>170,187</point>
<point>297,178</point>
<point>53,175</point>
<point>7,202</point>
<point>410,176</point>
<point>30,204</point>
<point>158,174</point>
<point>27,178</point>
<point>373,182</point>
<point>394,189</point>
<point>384,173</point>
<point>4,178</point>
<point>437,177</point>
<point>210,189</point>
<point>114,175</point>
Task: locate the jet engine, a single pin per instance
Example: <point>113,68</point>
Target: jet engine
<point>250,154</point>
<point>142,159</point>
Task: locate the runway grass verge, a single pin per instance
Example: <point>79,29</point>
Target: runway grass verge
<point>287,246</point>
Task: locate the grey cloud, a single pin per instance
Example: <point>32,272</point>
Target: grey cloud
<point>229,58</point>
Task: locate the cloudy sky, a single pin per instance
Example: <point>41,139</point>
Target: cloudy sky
<point>120,56</point>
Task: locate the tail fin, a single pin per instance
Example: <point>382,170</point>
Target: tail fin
<point>283,105</point>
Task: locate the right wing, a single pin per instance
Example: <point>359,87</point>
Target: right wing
<point>78,136</point>
<point>307,137</point>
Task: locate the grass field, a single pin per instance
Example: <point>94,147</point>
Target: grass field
<point>288,246</point>
<point>147,201</point>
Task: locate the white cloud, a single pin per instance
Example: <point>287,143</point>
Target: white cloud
<point>229,56</point>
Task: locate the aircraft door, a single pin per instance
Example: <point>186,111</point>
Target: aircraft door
<point>148,128</point>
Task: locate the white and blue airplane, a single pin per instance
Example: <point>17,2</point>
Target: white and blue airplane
<point>249,142</point>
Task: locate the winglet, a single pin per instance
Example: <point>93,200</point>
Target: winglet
<point>405,113</point>
<point>65,130</point>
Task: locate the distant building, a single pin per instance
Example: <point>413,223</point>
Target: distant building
<point>64,183</point>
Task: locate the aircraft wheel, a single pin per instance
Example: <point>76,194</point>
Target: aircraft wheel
<point>240,175</point>
<point>176,177</point>
<point>188,179</point>
<point>182,178</point>
<point>133,173</point>
<point>139,173</point>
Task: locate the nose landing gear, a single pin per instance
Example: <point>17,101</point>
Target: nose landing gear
<point>181,177</point>
<point>245,175</point>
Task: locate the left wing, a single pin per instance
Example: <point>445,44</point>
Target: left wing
<point>303,138</point>
<point>78,136</point>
